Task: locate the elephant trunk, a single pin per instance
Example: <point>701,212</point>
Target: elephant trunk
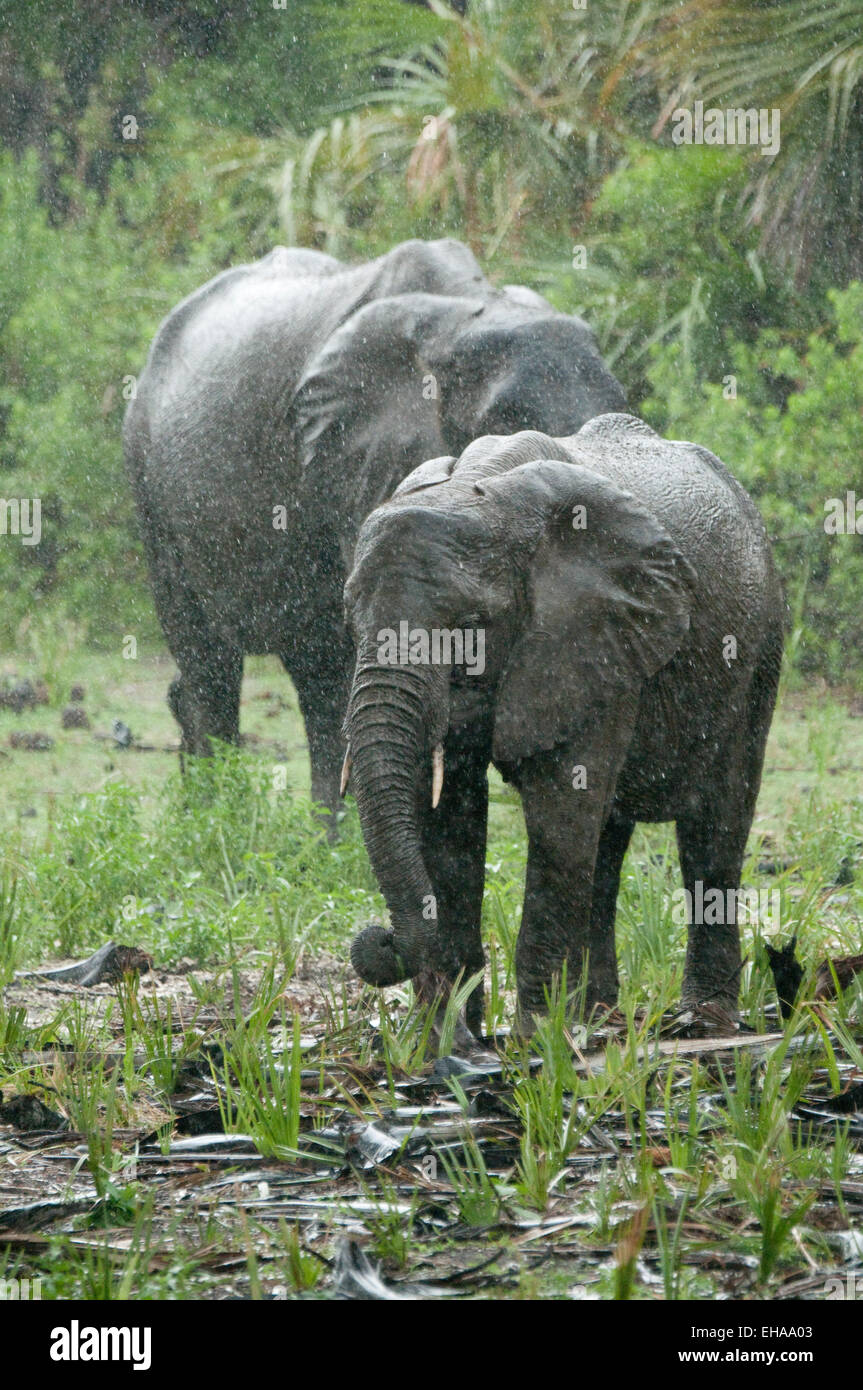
<point>395,716</point>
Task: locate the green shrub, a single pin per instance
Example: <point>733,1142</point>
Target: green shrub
<point>793,457</point>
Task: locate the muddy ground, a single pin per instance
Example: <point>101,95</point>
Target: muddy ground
<point>367,1207</point>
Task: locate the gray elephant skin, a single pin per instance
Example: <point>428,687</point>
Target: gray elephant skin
<point>281,404</point>
<point>632,627</point>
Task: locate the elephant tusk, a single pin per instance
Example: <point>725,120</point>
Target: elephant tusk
<point>437,774</point>
<point>346,772</point>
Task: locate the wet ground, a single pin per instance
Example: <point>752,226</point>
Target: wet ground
<point>400,1184</point>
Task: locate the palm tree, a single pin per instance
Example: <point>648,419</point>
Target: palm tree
<point>518,108</point>
<point>805,58</point>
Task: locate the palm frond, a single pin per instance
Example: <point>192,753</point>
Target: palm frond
<point>804,59</point>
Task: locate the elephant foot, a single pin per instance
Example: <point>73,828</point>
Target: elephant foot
<point>598,1012</point>
<point>524,1025</point>
<point>605,1019</point>
<point>432,991</point>
<point>708,1019</point>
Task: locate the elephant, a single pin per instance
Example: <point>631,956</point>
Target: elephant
<point>631,625</point>
<point>283,402</point>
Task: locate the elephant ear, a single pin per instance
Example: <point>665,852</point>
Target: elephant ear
<point>608,598</point>
<point>429,474</point>
<point>366,407</point>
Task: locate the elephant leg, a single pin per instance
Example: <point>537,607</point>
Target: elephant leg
<point>205,696</point>
<point>712,843</point>
<point>567,796</point>
<point>322,676</point>
<point>453,839</point>
<point>711,849</point>
<point>613,844</point>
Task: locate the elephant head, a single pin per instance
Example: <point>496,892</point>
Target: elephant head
<point>411,376</point>
<point>580,594</point>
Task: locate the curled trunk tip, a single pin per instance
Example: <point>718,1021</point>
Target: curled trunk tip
<point>377,961</point>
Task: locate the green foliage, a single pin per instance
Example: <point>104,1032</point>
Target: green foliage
<point>500,131</point>
<point>526,127</point>
<point>62,401</point>
<point>694,280</point>
<point>791,436</point>
<point>264,64</point>
<point>10,939</point>
<point>262,1084</point>
<point>479,1198</point>
<point>228,864</point>
<point>650,1165</point>
<point>803,59</point>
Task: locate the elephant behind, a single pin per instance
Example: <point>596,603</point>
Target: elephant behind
<point>631,624</point>
<point>282,403</point>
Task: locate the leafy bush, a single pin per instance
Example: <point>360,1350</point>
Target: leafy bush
<point>256,124</point>
<point>225,860</point>
<point>667,262</point>
<point>792,436</point>
<point>78,307</point>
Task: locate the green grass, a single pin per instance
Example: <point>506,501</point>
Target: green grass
<point>664,1168</point>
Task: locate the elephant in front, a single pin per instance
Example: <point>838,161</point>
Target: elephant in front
<point>282,403</point>
<point>599,617</point>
